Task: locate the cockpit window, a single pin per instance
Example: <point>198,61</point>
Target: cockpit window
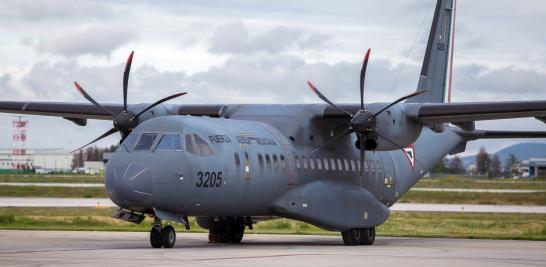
<point>197,145</point>
<point>169,142</point>
<point>128,143</point>
<point>202,146</point>
<point>145,141</point>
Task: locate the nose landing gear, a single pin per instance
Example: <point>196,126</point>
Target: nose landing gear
<point>162,236</point>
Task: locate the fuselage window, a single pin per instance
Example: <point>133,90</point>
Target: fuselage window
<point>304,160</point>
<point>267,161</point>
<point>325,161</point>
<point>261,161</point>
<point>169,142</point>
<point>237,159</point>
<point>298,163</point>
<point>333,164</point>
<point>283,162</point>
<point>379,168</point>
<point>353,167</point>
<point>339,165</point>
<point>319,164</point>
<point>346,163</point>
<point>247,165</point>
<point>358,165</point>
<point>275,161</point>
<point>190,144</point>
<point>372,166</point>
<point>202,146</point>
<point>366,166</point>
<point>312,163</point>
<point>145,141</point>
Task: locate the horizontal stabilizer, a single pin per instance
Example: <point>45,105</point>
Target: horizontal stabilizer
<point>485,134</point>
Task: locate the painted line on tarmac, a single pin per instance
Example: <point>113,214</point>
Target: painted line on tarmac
<point>475,190</point>
<point>54,184</point>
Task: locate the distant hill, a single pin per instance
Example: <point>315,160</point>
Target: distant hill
<point>523,151</point>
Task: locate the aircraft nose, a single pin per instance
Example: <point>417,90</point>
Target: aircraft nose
<point>130,186</point>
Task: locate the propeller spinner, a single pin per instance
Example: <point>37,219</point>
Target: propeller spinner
<point>127,120</point>
<point>363,123</point>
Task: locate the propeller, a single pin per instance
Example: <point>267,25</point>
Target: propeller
<point>363,123</point>
<point>126,120</point>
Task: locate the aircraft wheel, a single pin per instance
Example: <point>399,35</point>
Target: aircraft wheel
<point>236,233</point>
<point>224,235</point>
<point>168,236</point>
<point>352,237</point>
<point>155,238</point>
<point>367,236</point>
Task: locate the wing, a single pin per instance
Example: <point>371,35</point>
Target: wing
<point>467,112</point>
<point>60,109</point>
<point>461,112</point>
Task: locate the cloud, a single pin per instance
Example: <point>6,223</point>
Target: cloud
<point>234,38</point>
<point>508,83</point>
<point>52,9</point>
<point>94,40</point>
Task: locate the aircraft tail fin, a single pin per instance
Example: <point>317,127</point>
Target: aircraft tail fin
<point>436,70</point>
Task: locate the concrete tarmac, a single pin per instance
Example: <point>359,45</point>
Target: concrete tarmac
<point>54,248</point>
<point>105,202</point>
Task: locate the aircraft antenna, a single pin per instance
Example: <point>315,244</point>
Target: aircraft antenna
<point>452,52</point>
<point>412,46</point>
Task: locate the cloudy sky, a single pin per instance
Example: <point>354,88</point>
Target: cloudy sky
<point>244,51</point>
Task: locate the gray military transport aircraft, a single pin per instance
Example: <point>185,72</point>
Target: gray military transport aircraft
<point>337,166</point>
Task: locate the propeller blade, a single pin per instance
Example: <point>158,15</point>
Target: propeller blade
<point>362,155</point>
<point>416,93</point>
<point>388,140</point>
<point>88,97</point>
<point>111,131</point>
<point>345,133</point>
<point>362,77</point>
<point>159,102</point>
<point>126,79</point>
<point>321,96</point>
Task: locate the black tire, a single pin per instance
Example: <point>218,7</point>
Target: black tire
<point>367,236</point>
<point>155,238</point>
<point>168,236</point>
<point>352,237</point>
<point>224,235</point>
<point>236,233</point>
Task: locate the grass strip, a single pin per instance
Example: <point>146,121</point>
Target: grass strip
<point>409,224</point>
<point>52,191</point>
<point>533,199</point>
<point>481,183</point>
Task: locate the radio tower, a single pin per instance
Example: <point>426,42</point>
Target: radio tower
<point>19,139</point>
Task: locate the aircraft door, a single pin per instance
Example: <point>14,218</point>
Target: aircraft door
<point>387,179</point>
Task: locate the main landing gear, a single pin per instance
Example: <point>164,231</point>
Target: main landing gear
<point>162,236</point>
<point>228,232</point>
<point>359,236</point>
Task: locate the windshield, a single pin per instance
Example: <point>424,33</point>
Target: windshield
<point>169,142</point>
<point>145,141</point>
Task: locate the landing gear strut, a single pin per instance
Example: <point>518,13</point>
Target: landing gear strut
<point>162,236</point>
<point>359,236</point>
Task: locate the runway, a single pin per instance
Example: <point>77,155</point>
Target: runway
<point>105,202</point>
<point>53,248</point>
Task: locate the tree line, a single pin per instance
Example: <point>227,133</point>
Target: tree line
<point>91,153</point>
<point>486,165</point>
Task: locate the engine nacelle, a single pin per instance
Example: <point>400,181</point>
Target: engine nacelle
<point>394,125</point>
